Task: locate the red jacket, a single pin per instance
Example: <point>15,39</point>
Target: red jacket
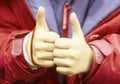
<point>16,21</point>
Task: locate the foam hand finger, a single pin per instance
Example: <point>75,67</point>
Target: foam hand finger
<point>63,43</point>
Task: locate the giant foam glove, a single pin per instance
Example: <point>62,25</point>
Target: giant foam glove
<point>42,42</point>
<point>73,56</point>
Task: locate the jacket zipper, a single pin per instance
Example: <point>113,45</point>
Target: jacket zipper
<point>65,20</point>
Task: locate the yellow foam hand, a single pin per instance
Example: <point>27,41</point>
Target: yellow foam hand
<point>73,56</point>
<point>43,42</point>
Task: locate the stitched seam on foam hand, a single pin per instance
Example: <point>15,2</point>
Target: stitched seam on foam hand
<point>31,51</point>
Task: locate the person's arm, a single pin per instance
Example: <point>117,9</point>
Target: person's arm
<point>104,41</point>
<point>13,65</point>
<point>12,62</point>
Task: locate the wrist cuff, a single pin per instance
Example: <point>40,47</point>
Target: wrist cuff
<point>26,56</point>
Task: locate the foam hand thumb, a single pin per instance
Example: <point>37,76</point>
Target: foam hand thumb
<point>76,28</point>
<point>40,20</point>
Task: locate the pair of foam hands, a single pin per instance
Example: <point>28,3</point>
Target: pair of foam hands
<point>70,55</point>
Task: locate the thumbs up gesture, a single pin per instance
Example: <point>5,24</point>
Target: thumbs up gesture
<point>73,56</point>
<point>42,42</point>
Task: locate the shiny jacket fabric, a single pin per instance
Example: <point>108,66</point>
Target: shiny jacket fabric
<point>16,21</point>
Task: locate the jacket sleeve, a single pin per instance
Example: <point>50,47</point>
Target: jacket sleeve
<point>12,63</point>
<point>105,42</point>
